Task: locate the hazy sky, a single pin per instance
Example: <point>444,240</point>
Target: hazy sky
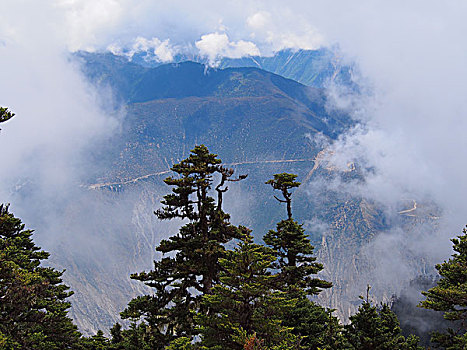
<point>411,55</point>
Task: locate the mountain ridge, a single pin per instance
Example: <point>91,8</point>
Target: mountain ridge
<point>310,67</point>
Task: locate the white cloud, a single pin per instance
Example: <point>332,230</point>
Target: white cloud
<point>283,29</point>
<point>92,25</point>
<point>87,20</point>
<point>163,51</point>
<point>216,45</point>
<point>412,52</point>
<point>417,115</point>
<point>58,114</point>
<point>259,20</point>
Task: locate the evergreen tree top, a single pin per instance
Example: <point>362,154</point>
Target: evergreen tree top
<point>292,246</point>
<point>193,269</point>
<point>284,182</point>
<point>200,161</point>
<point>244,303</point>
<point>16,243</point>
<point>450,295</point>
<point>294,252</point>
<point>33,306</point>
<point>5,114</point>
<point>377,328</point>
<point>195,178</point>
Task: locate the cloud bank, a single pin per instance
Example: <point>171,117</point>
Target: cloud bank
<point>163,51</point>
<point>414,122</point>
<point>58,114</point>
<point>214,46</point>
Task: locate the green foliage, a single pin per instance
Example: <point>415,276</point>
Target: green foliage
<point>33,308</point>
<point>317,326</point>
<point>292,246</point>
<point>142,337</point>
<point>244,303</point>
<point>414,319</point>
<point>117,337</point>
<point>284,182</point>
<point>193,268</point>
<point>331,336</point>
<point>251,342</point>
<point>137,337</point>
<point>450,296</point>
<point>182,343</point>
<point>7,343</point>
<point>373,328</point>
<point>297,272</point>
<point>5,114</point>
<point>254,297</point>
<point>295,260</point>
<point>96,342</point>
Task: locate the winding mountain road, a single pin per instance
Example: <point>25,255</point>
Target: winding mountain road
<point>144,177</point>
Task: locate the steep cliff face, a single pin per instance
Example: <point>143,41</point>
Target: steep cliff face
<point>368,246</point>
<point>107,237</point>
<point>353,223</point>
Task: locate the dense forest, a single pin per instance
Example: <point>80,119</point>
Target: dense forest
<point>215,287</point>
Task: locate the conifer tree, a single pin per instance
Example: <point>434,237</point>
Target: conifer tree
<point>33,306</point>
<point>117,338</point>
<point>181,279</point>
<point>182,343</point>
<point>297,270</point>
<point>373,328</point>
<point>450,296</point>
<point>330,337</point>
<point>5,114</point>
<point>284,182</point>
<point>244,303</point>
<point>298,266</point>
<point>96,342</point>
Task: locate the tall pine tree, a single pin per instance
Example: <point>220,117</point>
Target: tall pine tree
<point>244,305</point>
<point>33,299</point>
<point>373,328</point>
<point>5,114</point>
<point>297,270</point>
<point>295,260</point>
<point>450,296</point>
<point>192,269</point>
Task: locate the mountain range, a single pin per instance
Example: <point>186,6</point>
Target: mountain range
<point>315,68</point>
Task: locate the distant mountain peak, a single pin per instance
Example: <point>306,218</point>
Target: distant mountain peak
<point>310,67</point>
